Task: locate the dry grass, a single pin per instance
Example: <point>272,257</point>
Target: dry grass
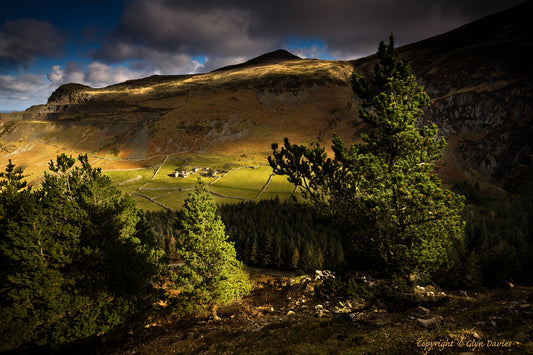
<point>228,112</point>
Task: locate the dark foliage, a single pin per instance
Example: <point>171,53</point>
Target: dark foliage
<point>162,225</point>
<point>77,258</point>
<point>268,234</point>
<point>498,242</point>
<point>283,235</point>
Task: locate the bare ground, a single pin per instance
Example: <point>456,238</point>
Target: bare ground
<point>287,315</point>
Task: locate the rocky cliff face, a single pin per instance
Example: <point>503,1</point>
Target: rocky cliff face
<point>490,130</point>
<point>483,95</point>
<point>480,79</point>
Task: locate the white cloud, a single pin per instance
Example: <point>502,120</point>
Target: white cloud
<point>23,83</point>
<point>96,74</point>
<point>99,74</point>
<point>18,92</point>
<point>71,74</point>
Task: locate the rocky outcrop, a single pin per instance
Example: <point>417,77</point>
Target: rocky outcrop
<point>483,92</point>
<point>493,130</point>
<point>69,94</point>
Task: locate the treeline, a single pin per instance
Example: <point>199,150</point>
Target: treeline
<point>496,247</point>
<point>267,234</point>
<point>283,235</point>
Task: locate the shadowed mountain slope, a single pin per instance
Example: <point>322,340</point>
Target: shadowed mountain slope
<point>480,79</point>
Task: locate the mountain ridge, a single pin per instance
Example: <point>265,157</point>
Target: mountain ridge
<point>274,57</point>
<point>479,82</point>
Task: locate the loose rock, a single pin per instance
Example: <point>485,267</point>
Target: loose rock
<point>432,323</point>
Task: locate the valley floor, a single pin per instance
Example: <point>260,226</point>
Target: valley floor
<point>290,315</point>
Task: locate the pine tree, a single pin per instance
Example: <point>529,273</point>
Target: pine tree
<point>294,261</point>
<point>252,250</point>
<point>384,189</point>
<point>338,259</point>
<point>277,260</point>
<point>12,179</point>
<point>77,259</point>
<point>212,275</point>
<point>266,249</point>
<point>307,257</point>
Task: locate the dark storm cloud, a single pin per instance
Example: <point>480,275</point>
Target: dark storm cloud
<point>21,41</point>
<point>168,35</point>
<point>355,27</point>
<point>231,30</point>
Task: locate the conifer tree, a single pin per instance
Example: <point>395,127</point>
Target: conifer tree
<point>277,260</point>
<point>384,189</point>
<point>212,275</point>
<point>295,259</point>
<point>77,258</point>
<point>12,179</point>
<point>307,257</point>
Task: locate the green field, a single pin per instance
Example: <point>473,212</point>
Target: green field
<point>236,180</point>
<point>130,180</point>
<point>279,186</point>
<point>244,183</point>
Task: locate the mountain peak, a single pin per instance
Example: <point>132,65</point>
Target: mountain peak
<point>274,56</point>
<point>277,56</point>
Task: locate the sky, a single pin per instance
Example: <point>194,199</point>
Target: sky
<point>44,44</point>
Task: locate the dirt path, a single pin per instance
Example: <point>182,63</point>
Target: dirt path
<point>264,187</point>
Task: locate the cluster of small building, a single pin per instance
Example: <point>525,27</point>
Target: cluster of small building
<point>203,171</point>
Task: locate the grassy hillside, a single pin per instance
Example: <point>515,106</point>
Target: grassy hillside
<point>222,120</point>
